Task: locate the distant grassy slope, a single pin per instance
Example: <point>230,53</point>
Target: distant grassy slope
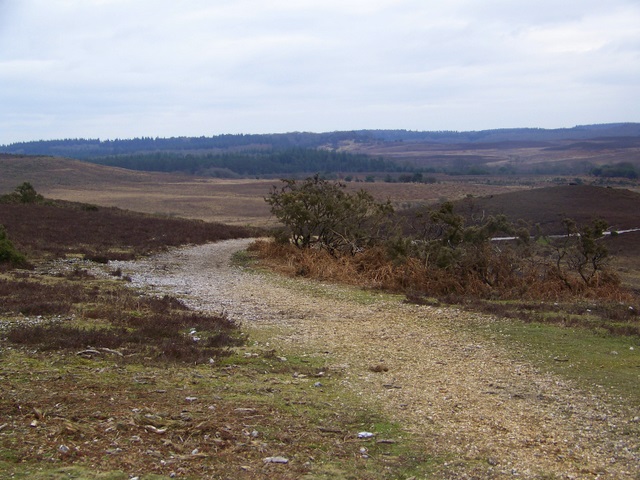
<point>46,173</point>
<point>549,206</point>
<point>568,151</point>
<point>237,201</point>
<point>86,148</point>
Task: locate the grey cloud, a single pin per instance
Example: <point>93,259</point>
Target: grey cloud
<point>108,67</point>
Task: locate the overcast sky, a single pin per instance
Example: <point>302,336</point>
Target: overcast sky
<point>127,68</point>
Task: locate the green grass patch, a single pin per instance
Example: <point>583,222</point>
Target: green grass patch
<point>607,363</point>
<point>234,414</point>
<point>339,293</point>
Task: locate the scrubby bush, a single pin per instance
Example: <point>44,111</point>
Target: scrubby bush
<point>24,193</point>
<point>320,213</point>
<point>440,252</point>
<point>579,252</point>
<point>8,253</point>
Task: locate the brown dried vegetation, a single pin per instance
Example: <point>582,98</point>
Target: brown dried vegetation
<point>456,252</point>
<point>59,229</point>
<point>602,305</point>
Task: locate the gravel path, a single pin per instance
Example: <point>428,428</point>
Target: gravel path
<point>453,391</point>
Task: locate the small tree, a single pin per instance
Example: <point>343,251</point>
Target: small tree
<point>579,251</point>
<point>322,213</point>
<point>27,193</point>
<point>24,193</point>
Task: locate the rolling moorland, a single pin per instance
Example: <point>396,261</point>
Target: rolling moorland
<point>610,150</point>
<point>70,232</point>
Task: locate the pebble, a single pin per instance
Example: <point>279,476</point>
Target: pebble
<point>276,460</point>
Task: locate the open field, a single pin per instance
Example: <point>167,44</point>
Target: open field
<point>85,398</point>
<point>236,202</point>
<point>241,201</point>
<point>444,393</point>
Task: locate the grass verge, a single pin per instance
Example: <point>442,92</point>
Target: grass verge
<point>594,361</point>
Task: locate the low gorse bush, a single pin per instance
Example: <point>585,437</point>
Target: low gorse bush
<point>440,253</point>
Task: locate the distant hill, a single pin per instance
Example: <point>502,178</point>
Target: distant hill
<point>581,150</point>
<point>89,148</point>
<point>46,173</point>
<point>548,206</point>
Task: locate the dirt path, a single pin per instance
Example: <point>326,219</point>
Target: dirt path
<point>453,391</point>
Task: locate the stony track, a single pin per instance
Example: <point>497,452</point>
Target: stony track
<point>454,391</point>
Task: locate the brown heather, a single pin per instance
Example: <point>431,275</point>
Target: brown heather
<point>100,234</point>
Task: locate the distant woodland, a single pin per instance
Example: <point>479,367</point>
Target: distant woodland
<point>240,155</point>
<point>250,163</point>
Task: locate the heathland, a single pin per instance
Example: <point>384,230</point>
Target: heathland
<point>114,367</point>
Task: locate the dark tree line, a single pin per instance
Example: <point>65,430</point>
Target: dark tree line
<point>622,135</point>
<point>623,170</point>
<point>291,160</point>
<point>82,148</point>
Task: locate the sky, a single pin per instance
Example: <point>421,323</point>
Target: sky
<point>165,68</point>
